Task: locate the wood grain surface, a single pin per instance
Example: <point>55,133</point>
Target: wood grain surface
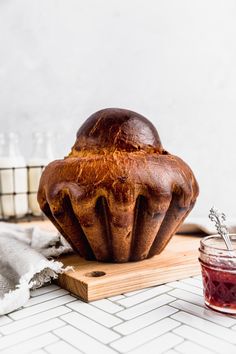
<point>92,280</point>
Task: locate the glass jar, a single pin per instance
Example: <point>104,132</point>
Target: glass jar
<point>13,179</point>
<point>219,273</point>
<point>42,154</point>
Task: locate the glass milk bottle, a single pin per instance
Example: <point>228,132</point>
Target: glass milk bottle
<point>2,145</point>
<point>13,178</point>
<point>41,156</point>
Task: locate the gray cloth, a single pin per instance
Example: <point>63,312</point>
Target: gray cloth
<point>205,225</point>
<point>24,264</point>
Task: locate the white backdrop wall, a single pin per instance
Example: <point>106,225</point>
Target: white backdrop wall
<point>173,61</point>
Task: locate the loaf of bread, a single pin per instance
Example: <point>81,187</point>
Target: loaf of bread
<point>118,196</point>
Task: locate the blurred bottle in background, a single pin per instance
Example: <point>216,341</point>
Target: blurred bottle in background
<point>42,154</point>
<point>2,143</point>
<point>13,178</point>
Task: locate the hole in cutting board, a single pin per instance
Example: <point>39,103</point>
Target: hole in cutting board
<point>95,273</point>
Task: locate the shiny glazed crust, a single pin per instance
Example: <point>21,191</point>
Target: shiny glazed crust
<point>118,196</point>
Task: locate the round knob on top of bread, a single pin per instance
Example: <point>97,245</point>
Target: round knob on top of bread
<point>119,129</point>
<point>118,196</point>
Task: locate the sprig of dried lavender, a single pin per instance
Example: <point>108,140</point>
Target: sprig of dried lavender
<point>219,218</point>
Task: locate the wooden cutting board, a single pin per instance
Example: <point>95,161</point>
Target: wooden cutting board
<point>92,280</point>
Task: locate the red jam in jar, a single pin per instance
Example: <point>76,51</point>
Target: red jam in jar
<point>219,273</point>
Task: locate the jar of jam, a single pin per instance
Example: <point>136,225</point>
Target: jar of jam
<point>219,273</point>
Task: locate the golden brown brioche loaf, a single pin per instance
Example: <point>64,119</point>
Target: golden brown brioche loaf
<point>118,196</point>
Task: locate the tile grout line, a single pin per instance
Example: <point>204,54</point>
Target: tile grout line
<point>69,324</point>
<point>25,328</point>
<point>42,302</point>
<point>153,339</point>
<point>143,302</point>
<point>139,329</point>
<point>149,311</point>
<point>196,342</point>
<point>204,307</point>
<point>25,308</point>
<point>94,320</point>
<point>64,340</point>
<point>26,340</point>
<point>202,330</point>
<point>171,331</point>
<point>78,329</point>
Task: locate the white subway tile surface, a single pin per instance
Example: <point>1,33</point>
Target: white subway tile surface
<point>182,285</point>
<point>159,345</point>
<point>34,320</point>
<point>107,305</point>
<point>4,320</point>
<point>44,290</point>
<point>143,296</point>
<point>144,320</point>
<point>94,313</point>
<point>90,327</point>
<point>143,336</point>
<point>188,296</point>
<point>26,334</point>
<point>205,340</point>
<point>116,297</point>
<point>32,344</point>
<point>145,307</point>
<point>61,347</point>
<point>188,347</point>
<point>82,341</point>
<point>193,281</point>
<point>46,297</point>
<point>206,326</point>
<point>132,293</point>
<point>169,319</point>
<point>45,306</point>
<point>205,313</point>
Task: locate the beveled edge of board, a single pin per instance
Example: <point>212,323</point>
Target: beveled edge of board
<point>124,277</point>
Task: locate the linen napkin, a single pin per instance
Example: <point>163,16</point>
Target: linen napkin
<point>200,225</point>
<point>24,264</point>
